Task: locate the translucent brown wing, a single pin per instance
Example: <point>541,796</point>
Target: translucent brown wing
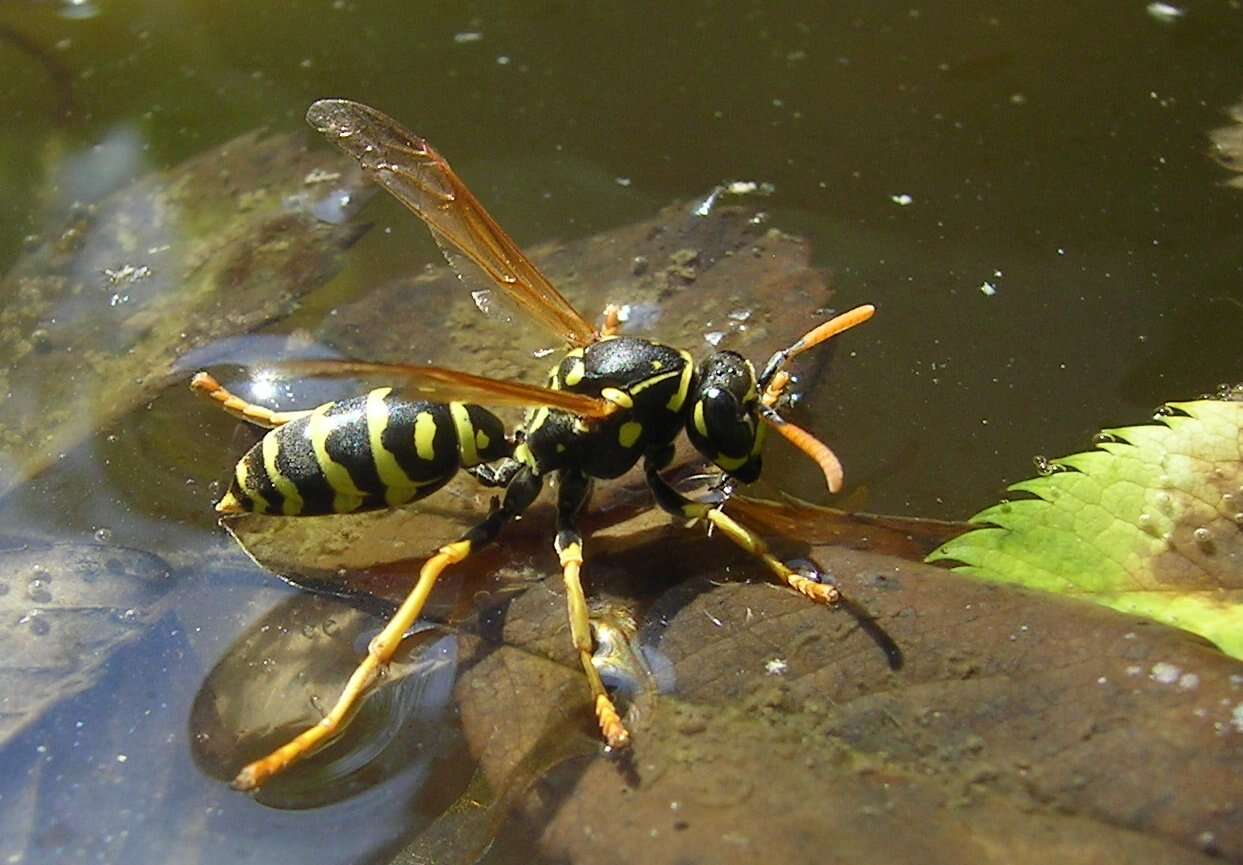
<point>438,384</point>
<point>418,176</point>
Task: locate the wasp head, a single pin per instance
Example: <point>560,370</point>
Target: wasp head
<point>725,415</point>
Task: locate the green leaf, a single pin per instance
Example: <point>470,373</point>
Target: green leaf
<point>1151,523</point>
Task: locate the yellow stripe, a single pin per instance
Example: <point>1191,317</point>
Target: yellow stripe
<point>425,436</point>
<point>292,505</point>
<point>523,454</point>
<point>261,505</point>
<point>465,434</point>
<point>536,420</point>
<point>617,397</point>
<point>729,463</point>
<point>575,373</point>
<point>348,497</point>
<point>679,398</point>
<point>397,484</point>
<point>648,382</point>
<point>629,433</point>
<point>701,425</point>
<point>760,434</point>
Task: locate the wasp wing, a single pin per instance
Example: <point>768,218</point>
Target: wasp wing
<point>437,384</point>
<point>420,178</point>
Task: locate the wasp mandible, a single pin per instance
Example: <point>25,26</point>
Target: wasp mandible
<point>611,401</point>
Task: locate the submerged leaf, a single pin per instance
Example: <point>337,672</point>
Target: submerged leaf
<point>92,320</point>
<point>1149,523</point>
<point>66,609</point>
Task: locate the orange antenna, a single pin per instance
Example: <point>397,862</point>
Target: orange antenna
<point>818,451</point>
<point>774,381</point>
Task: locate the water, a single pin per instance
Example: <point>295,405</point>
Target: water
<point>1059,155</point>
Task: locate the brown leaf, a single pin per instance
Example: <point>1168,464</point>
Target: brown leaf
<point>1007,726</point>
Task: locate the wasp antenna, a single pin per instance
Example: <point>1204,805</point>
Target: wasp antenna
<point>809,340</point>
<point>818,451</point>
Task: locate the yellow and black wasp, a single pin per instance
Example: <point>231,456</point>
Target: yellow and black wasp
<point>610,402</point>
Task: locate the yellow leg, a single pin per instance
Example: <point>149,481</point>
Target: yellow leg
<point>611,726</point>
<point>379,653</point>
<point>205,384</point>
<point>819,592</point>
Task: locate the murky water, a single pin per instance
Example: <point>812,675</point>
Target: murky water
<point>1028,193</point>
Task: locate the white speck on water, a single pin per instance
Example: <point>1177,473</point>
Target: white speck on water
<point>1236,717</point>
<point>1134,670</point>
<point>1166,13</point>
<point>775,666</point>
<point>987,289</point>
<point>467,36</point>
<point>714,338</point>
<point>1165,673</point>
<point>902,199</point>
<point>121,758</point>
<point>1188,681</point>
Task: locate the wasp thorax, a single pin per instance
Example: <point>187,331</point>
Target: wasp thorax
<point>725,423</point>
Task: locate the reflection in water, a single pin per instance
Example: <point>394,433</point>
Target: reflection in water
<point>283,673</point>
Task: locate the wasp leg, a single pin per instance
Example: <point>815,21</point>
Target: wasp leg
<point>573,494</point>
<point>673,502</point>
<point>498,476</point>
<point>205,384</point>
<point>519,494</point>
<point>612,321</point>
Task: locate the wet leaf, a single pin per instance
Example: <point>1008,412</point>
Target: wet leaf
<point>694,280</point>
<point>1010,726</point>
<point>1151,522</point>
<point>1228,145</point>
<point>93,318</point>
<point>67,608</point>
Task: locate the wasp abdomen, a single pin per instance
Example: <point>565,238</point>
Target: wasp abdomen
<point>365,453</point>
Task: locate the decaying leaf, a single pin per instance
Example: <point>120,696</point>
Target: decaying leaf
<point>92,320</point>
<point>67,608</point>
<point>1150,523</point>
<point>1007,726</point>
<point>693,277</point>
<point>1228,145</point>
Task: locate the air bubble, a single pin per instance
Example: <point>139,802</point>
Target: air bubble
<point>1145,522</point>
<point>103,536</point>
<point>330,627</point>
<point>1043,466</point>
<point>1203,537</point>
<point>1164,502</point>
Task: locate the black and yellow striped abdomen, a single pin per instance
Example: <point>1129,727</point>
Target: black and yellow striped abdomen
<point>375,451</point>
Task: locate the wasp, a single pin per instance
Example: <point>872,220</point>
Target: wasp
<point>610,402</point>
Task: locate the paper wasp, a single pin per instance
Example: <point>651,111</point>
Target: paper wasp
<point>611,401</point>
